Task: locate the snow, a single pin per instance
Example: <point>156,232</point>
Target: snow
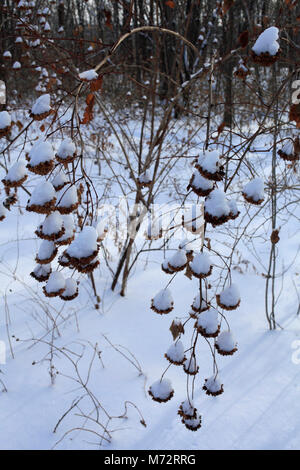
<point>190,365</point>
<point>88,75</point>
<point>42,269</point>
<point>161,389</point>
<point>67,197</point>
<point>41,152</point>
<point>196,303</point>
<point>145,178</point>
<point>254,189</point>
<point>52,224</point>
<point>70,287</point>
<point>60,179</point>
<point>267,42</point>
<point>230,296</point>
<point>288,147</point>
<point>187,245</point>
<point>56,282</point>
<point>178,260</point>
<point>226,341</point>
<point>201,264</point>
<point>200,182</point>
<point>210,161</point>
<point>68,223</point>
<point>213,384</point>
<point>42,193</point>
<point>66,149</point>
<point>187,407</point>
<point>46,250</point>
<point>163,300</point>
<point>176,352</point>
<point>216,204</point>
<point>5,120</point>
<point>16,172</point>
<point>233,207</point>
<point>41,105</point>
<point>208,320</point>
<point>85,243</point>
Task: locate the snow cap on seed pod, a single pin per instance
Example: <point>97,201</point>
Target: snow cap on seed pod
<point>207,323</point>
<point>42,199</point>
<point>196,304</point>
<point>267,41</point>
<point>41,272</point>
<point>175,353</point>
<point>47,252</point>
<point>209,166</point>
<point>161,391</point>
<point>163,303</point>
<point>17,65</point>
<point>69,226</point>
<point>60,180</point>
<point>67,200</point>
<point>16,175</point>
<point>84,248</point>
<point>66,151</point>
<point>230,298</point>
<point>102,229</point>
<point>145,179</point>
<point>178,261</point>
<point>288,151</point>
<point>187,246</point>
<point>89,267</point>
<point>41,158</point>
<point>200,185</point>
<point>213,386</point>
<point>52,227</point>
<point>216,208</point>
<point>166,268</point>
<point>234,212</point>
<point>190,365</point>
<point>5,123</point>
<point>225,344</point>
<point>41,108</point>
<point>88,75</point>
<point>193,424</point>
<point>56,285</point>
<point>201,266</point>
<point>71,290</point>
<point>187,409</point>
<point>253,191</point>
<point>7,55</point>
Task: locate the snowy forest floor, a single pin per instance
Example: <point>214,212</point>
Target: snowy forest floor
<point>260,407</point>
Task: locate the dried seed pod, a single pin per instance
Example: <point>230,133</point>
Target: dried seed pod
<point>229,299</point>
<point>161,391</point>
<point>213,386</point>
<point>175,354</point>
<point>41,272</point>
<point>225,344</point>
<point>201,266</point>
<point>162,303</point>
<point>71,290</point>
<point>55,286</point>
<point>41,108</point>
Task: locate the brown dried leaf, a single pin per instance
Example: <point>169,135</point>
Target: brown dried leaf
<point>176,329</point>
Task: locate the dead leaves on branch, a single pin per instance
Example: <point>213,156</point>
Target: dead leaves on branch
<point>88,112</point>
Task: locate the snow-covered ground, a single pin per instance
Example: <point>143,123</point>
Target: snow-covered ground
<point>118,351</point>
